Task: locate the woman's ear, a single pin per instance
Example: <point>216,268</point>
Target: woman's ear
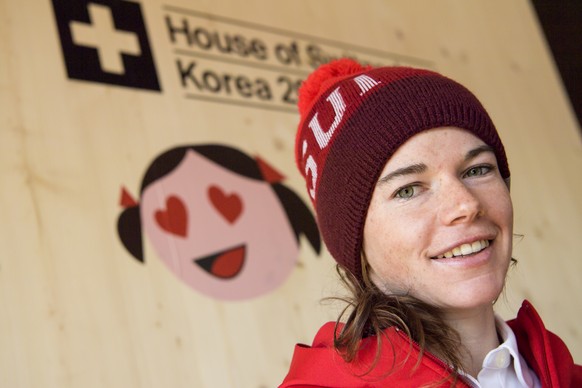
<point>368,274</point>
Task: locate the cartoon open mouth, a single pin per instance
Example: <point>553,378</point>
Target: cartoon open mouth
<point>224,264</point>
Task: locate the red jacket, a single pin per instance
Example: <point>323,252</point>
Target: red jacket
<point>320,365</point>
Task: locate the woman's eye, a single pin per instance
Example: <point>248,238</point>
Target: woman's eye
<point>405,192</point>
<point>477,171</point>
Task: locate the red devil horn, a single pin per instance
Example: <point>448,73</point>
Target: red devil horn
<point>126,200</point>
<point>269,173</point>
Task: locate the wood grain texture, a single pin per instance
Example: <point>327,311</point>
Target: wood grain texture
<point>78,311</point>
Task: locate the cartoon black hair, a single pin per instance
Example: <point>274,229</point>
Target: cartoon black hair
<point>298,214</point>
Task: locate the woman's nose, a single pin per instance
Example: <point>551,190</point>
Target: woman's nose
<point>458,203</point>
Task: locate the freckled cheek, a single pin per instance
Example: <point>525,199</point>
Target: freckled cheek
<point>393,275</point>
<point>500,207</point>
<point>388,256</point>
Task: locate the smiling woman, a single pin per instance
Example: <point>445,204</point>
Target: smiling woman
<point>410,182</point>
<point>451,219</point>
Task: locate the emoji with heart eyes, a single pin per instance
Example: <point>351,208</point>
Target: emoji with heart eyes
<point>221,221</point>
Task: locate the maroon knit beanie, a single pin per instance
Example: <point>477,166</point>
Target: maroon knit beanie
<point>353,119</point>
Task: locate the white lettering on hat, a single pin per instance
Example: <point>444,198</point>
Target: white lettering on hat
<point>310,165</point>
<point>304,148</point>
<point>339,108</point>
<point>365,84</point>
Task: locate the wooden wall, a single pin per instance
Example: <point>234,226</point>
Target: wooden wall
<point>77,310</point>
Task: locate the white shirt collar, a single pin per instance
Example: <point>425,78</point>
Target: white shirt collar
<point>503,366</point>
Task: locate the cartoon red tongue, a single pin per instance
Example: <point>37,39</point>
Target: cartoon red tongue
<point>224,264</point>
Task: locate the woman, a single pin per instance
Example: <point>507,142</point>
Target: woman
<point>410,183</point>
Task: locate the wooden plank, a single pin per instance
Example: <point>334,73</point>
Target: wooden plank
<point>78,310</point>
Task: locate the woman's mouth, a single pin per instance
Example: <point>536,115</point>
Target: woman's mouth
<point>465,249</point>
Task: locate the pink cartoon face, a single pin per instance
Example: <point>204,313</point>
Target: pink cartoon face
<point>222,233</point>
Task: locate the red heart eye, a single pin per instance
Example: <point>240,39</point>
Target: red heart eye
<point>229,206</point>
<point>173,219</point>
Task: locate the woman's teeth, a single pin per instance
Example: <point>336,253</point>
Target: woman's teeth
<point>465,249</point>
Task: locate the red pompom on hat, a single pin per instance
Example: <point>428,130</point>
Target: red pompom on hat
<point>325,75</point>
<point>353,119</point>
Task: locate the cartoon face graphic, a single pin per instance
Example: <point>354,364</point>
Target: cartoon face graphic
<point>224,231</point>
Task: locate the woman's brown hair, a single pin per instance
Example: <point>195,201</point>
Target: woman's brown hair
<point>369,311</point>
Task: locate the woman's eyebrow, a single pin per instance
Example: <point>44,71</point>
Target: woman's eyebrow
<point>412,169</point>
<point>479,150</point>
<point>421,167</point>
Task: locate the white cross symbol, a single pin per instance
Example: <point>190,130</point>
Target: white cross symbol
<point>109,42</point>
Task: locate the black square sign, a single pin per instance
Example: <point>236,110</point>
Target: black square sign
<point>106,41</point>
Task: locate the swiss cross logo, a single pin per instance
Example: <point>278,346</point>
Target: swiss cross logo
<point>106,41</point>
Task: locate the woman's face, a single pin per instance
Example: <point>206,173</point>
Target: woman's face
<point>440,222</point>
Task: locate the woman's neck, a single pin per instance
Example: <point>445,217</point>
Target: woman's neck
<point>478,335</point>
